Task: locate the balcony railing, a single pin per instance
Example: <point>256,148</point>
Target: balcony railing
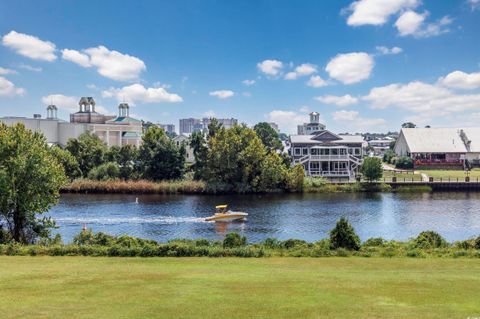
<point>331,173</point>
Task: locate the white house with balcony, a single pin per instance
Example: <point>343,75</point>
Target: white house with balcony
<point>326,154</point>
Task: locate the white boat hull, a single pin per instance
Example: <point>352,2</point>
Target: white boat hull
<point>226,217</point>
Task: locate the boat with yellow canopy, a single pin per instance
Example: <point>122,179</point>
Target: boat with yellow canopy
<point>223,214</point>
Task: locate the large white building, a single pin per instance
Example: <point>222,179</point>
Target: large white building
<point>326,154</point>
<point>112,130</point>
<point>440,147</point>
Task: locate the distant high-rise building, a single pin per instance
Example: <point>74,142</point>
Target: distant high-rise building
<point>226,123</point>
<point>169,128</point>
<point>191,125</point>
<point>312,127</point>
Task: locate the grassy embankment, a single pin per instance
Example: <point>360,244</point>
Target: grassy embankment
<point>445,175</point>
<point>81,287</point>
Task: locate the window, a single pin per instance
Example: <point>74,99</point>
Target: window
<point>297,151</point>
<point>305,151</point>
<point>357,151</point>
<point>342,151</point>
<point>350,151</point>
<point>334,151</point>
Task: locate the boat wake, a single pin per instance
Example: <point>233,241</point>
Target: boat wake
<point>127,220</point>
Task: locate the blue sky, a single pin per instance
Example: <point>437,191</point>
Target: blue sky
<point>365,65</point>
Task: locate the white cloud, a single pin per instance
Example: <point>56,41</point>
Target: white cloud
<point>222,94</point>
<point>270,67</point>
<point>4,71</point>
<point>387,51</point>
<point>248,82</point>
<point>30,68</point>
<point>109,63</point>
<point>301,70</point>
<point>353,119</point>
<point>30,46</point>
<point>461,80</point>
<point>376,12</point>
<point>413,23</point>
<point>421,98</point>
<point>287,120</point>
<point>63,102</point>
<point>316,81</point>
<point>409,22</point>
<point>76,57</point>
<point>341,101</point>
<point>350,68</point>
<point>7,88</point>
<point>138,93</point>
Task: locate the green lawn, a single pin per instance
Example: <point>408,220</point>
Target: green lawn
<point>90,287</point>
<point>387,175</point>
<point>453,174</point>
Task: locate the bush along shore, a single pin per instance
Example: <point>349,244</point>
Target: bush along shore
<point>343,242</point>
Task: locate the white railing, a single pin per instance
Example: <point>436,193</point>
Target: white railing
<point>329,157</point>
<point>342,173</point>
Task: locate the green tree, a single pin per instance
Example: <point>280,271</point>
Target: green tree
<point>344,236</point>
<point>127,159</point>
<point>213,127</point>
<point>199,145</point>
<point>30,179</point>
<point>295,178</point>
<point>69,163</point>
<point>88,150</point>
<point>234,159</point>
<point>105,171</point>
<point>159,157</point>
<point>408,125</point>
<point>372,169</point>
<point>429,239</point>
<point>268,136</point>
<point>273,173</point>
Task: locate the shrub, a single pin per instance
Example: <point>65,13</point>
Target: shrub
<point>106,171</point>
<point>429,239</point>
<point>388,155</point>
<point>477,243</point>
<point>404,162</point>
<point>344,236</point>
<point>374,242</point>
<point>234,240</point>
<point>292,243</point>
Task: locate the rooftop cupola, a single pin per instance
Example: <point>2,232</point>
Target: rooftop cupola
<point>51,112</point>
<point>314,117</point>
<point>87,105</point>
<point>123,110</point>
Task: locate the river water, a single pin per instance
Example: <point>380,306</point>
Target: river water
<point>303,216</point>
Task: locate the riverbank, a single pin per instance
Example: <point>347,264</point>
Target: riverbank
<point>311,185</point>
<point>134,187</point>
<point>79,287</point>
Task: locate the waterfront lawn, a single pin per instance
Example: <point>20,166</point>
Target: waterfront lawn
<point>87,287</point>
<point>387,176</point>
<point>452,174</point>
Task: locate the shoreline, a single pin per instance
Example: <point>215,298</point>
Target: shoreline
<point>190,187</point>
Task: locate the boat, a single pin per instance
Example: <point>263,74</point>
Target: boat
<point>223,214</point>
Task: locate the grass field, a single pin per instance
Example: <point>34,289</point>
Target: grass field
<point>86,287</point>
<point>453,174</point>
<point>387,175</point>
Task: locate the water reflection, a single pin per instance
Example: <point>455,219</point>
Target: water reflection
<point>303,216</point>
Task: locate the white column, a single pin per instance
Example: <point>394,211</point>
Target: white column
<point>107,136</point>
<point>120,138</point>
